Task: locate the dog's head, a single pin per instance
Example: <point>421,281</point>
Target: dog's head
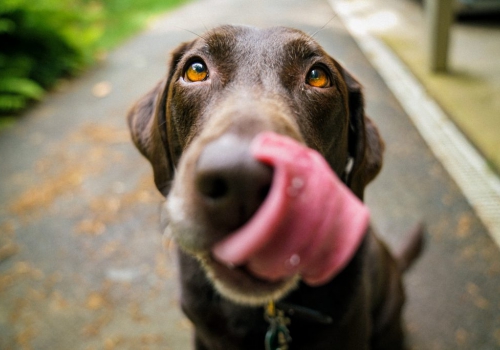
<point>196,125</point>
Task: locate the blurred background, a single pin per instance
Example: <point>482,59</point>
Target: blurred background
<point>48,40</point>
<point>82,261</point>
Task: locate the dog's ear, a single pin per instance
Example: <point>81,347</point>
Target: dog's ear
<point>147,123</point>
<point>365,143</point>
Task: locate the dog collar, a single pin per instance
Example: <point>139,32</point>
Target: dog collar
<point>278,335</point>
<point>304,313</point>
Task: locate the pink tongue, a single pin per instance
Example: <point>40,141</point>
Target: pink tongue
<point>310,222</point>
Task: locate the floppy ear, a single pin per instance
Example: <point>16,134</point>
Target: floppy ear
<point>147,123</point>
<point>365,144</point>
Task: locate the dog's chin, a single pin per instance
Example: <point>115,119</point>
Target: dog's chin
<point>234,283</point>
<point>240,286</point>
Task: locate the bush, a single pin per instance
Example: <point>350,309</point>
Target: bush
<point>42,41</point>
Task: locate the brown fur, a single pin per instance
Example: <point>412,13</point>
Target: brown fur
<point>256,83</point>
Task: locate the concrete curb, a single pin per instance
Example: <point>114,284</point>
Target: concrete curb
<point>478,183</point>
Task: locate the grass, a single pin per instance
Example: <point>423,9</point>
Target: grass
<point>123,18</point>
<point>46,40</point>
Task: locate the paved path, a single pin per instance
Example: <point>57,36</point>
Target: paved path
<point>81,259</point>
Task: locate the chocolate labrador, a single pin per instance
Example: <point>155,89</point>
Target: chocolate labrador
<point>196,126</point>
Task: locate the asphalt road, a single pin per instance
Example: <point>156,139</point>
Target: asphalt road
<point>82,264</point>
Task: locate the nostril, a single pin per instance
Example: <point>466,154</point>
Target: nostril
<point>263,192</point>
<point>212,186</point>
<point>230,184</point>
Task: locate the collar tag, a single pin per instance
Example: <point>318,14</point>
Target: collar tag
<point>278,335</point>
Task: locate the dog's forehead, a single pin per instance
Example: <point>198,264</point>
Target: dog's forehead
<point>256,44</point>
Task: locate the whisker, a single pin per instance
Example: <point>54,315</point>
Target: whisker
<point>204,26</point>
<point>324,25</point>
<point>190,31</point>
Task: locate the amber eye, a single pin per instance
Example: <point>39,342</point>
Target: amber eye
<point>197,71</point>
<point>317,77</point>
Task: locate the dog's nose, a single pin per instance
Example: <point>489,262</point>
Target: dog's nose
<point>230,183</point>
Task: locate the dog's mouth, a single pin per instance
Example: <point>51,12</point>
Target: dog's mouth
<point>240,285</point>
<point>209,233</point>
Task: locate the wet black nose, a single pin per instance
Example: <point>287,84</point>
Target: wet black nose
<point>231,184</point>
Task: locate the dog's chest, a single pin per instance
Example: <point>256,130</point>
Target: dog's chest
<point>221,324</point>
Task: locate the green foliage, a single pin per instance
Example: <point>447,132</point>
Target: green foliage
<point>122,18</point>
<point>40,42</point>
<point>44,40</point>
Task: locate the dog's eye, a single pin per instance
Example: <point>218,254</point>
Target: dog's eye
<point>317,77</point>
<point>197,71</point>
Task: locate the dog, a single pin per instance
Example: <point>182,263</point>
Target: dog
<point>222,90</point>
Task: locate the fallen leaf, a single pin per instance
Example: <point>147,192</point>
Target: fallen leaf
<point>7,250</point>
<point>42,195</point>
<point>464,226</point>
<point>461,336</point>
<point>25,337</point>
<point>102,89</point>
<point>149,339</point>
<point>497,336</point>
<point>481,303</point>
<point>90,227</point>
<point>95,301</point>
<point>112,343</point>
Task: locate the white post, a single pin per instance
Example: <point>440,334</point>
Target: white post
<point>439,20</point>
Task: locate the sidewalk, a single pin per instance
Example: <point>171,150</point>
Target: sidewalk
<point>82,264</point>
